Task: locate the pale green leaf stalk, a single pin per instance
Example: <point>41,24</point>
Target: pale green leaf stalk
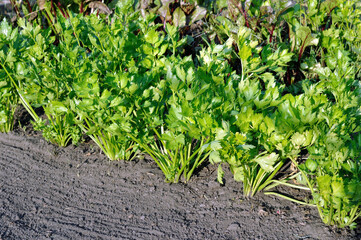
<point>178,162</point>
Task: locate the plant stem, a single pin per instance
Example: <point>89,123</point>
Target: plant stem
<point>289,198</point>
<point>22,98</point>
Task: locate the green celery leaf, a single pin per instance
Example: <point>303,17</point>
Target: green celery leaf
<point>238,174</point>
<point>324,186</point>
<point>214,157</point>
<point>311,164</point>
<point>267,161</point>
<point>152,36</point>
<point>338,188</point>
<point>245,52</point>
<point>172,141</point>
<point>57,107</point>
<point>298,139</point>
<point>215,145</point>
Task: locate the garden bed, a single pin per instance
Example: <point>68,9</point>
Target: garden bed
<point>48,192</point>
<point>194,97</point>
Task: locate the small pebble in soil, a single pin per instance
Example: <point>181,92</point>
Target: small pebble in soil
<point>234,227</point>
<point>262,212</point>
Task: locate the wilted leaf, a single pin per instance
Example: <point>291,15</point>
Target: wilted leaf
<point>100,6</point>
<point>32,16</point>
<point>179,18</point>
<point>187,6</point>
<point>41,4</point>
<point>198,14</point>
<point>144,4</point>
<point>165,13</point>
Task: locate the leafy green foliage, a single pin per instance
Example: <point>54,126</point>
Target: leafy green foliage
<point>274,84</point>
<point>8,99</point>
<point>10,62</point>
<point>61,128</point>
<point>181,112</point>
<point>8,104</point>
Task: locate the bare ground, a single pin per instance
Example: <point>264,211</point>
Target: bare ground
<point>47,192</point>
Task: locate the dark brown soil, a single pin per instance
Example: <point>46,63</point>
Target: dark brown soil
<point>6,10</point>
<point>47,192</point>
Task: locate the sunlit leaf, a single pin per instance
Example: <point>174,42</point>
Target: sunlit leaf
<point>179,18</point>
<point>267,161</point>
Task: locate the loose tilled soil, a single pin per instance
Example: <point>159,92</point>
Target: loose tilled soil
<point>48,192</point>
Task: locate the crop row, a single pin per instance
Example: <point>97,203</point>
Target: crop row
<point>254,97</point>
